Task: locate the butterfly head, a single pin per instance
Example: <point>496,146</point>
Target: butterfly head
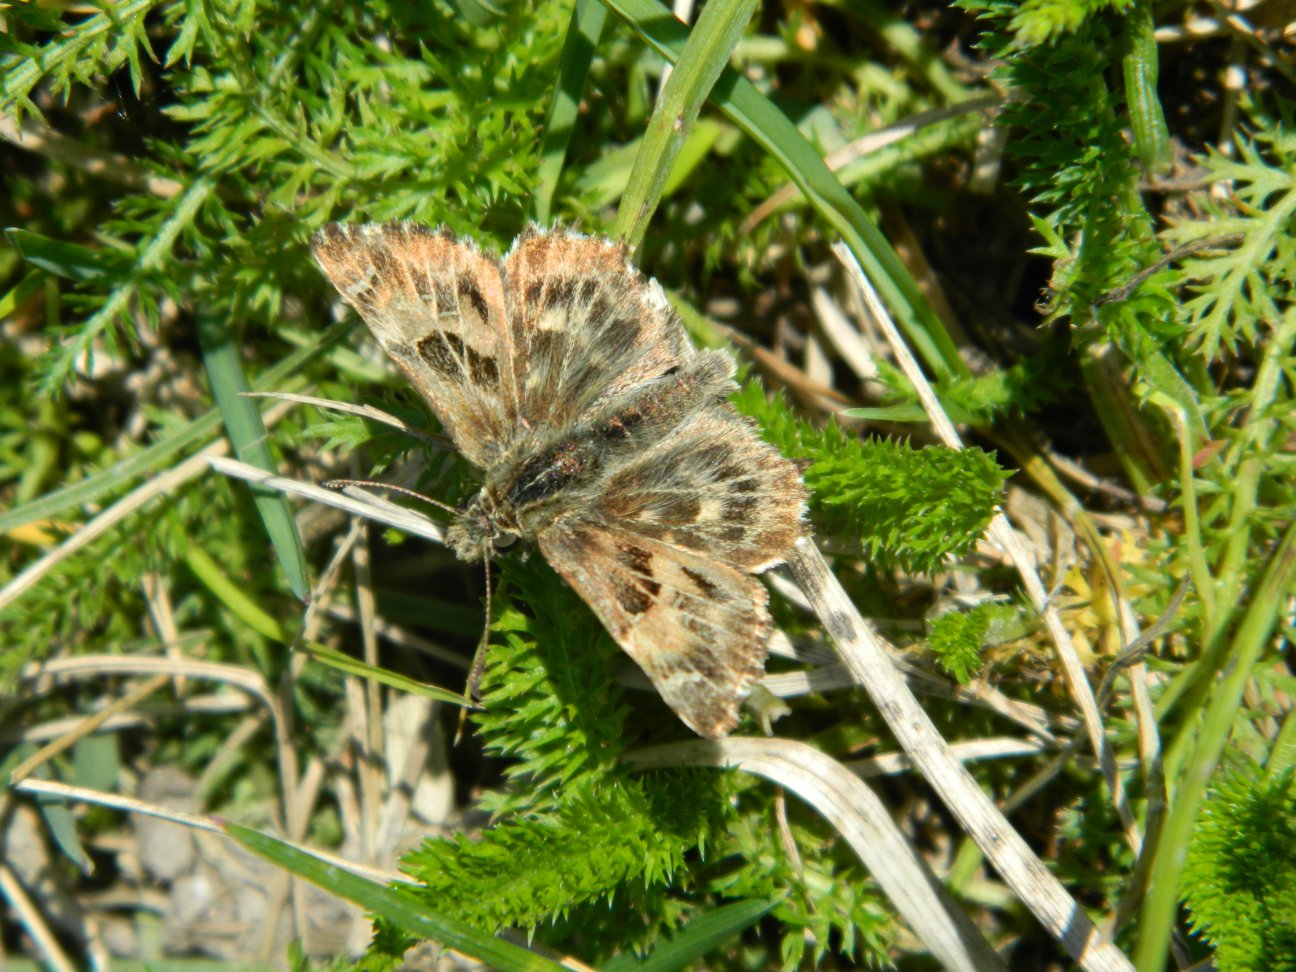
<point>481,529</point>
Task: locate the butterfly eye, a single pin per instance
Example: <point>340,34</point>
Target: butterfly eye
<point>503,541</point>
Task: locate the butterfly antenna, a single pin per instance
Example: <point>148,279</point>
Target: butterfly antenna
<point>473,691</point>
<point>342,483</point>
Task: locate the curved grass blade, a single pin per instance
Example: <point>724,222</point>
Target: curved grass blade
<point>354,666</point>
<point>229,593</point>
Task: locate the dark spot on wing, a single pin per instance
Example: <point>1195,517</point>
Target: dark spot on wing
<point>626,330</point>
<point>631,598</point>
<point>706,665</point>
<point>424,283</point>
<point>677,510</point>
<point>598,311</point>
<point>704,586</point>
<point>559,292</point>
<point>748,484</point>
<point>547,345</point>
<point>469,290</point>
<point>739,509</point>
<point>447,355</point>
<point>483,370</point>
<point>385,265</point>
<point>637,559</point>
<point>689,539</point>
<point>443,352</point>
<point>732,534</point>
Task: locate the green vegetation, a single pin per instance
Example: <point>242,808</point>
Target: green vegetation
<point>1105,308</point>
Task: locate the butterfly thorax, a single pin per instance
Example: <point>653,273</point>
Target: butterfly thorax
<point>525,493</point>
<point>542,478</point>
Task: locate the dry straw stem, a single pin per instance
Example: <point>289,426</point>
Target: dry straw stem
<point>1002,533</point>
<point>364,706</point>
<point>371,507</point>
<point>361,411</point>
<point>857,814</point>
<point>1030,880</point>
<point>80,794</point>
<point>215,704</point>
<point>87,726</point>
<point>33,922</point>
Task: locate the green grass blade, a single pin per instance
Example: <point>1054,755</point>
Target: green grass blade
<point>704,56</point>
<point>700,936</point>
<point>247,433</point>
<point>583,34</point>
<point>20,291</point>
<point>229,593</point>
<point>63,259</point>
<point>1262,616</point>
<point>772,130</point>
<point>353,666</point>
<point>160,454</point>
<point>397,907</point>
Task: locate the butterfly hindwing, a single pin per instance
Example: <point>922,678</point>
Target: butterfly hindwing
<point>713,487</point>
<point>697,628</point>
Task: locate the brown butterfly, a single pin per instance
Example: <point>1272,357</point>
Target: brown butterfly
<point>602,433</point>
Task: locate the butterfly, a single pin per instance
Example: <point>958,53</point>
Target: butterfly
<point>603,436</point>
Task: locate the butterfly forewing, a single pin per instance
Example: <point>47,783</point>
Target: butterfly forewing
<point>436,305</point>
<point>587,326</point>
